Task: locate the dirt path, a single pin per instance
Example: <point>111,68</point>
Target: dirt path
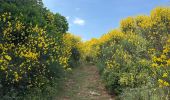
<point>84,84</point>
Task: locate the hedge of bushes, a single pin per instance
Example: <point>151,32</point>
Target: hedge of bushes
<point>136,55</point>
<point>35,47</point>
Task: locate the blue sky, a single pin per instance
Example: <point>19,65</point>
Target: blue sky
<point>92,18</point>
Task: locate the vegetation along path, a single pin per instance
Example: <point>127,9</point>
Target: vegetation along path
<point>84,84</point>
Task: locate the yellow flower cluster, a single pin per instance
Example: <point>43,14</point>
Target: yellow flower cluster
<point>163,83</point>
<point>128,25</point>
<point>63,61</point>
<point>143,22</point>
<point>91,48</point>
<point>161,66</point>
<point>29,55</point>
<point>114,35</point>
<point>70,42</point>
<point>27,52</point>
<point>8,57</point>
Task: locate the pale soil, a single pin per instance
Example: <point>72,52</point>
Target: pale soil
<point>84,83</point>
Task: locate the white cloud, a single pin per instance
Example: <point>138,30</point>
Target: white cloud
<point>68,17</point>
<point>79,21</point>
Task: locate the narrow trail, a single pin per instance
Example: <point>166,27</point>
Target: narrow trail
<point>84,83</point>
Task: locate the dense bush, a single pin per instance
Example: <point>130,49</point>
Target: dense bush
<point>124,61</point>
<point>160,66</point>
<point>34,47</point>
<point>135,56</point>
<point>74,44</point>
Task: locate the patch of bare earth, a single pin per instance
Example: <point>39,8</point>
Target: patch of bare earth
<point>84,83</point>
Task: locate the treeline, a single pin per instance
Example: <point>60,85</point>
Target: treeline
<point>134,60</point>
<point>35,49</point>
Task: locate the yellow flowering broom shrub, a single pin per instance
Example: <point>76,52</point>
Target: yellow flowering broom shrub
<point>73,47</point>
<point>124,61</point>
<point>125,55</point>
<point>155,28</point>
<point>28,55</point>
<point>91,50</point>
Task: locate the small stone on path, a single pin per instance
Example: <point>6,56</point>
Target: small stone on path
<point>94,93</point>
